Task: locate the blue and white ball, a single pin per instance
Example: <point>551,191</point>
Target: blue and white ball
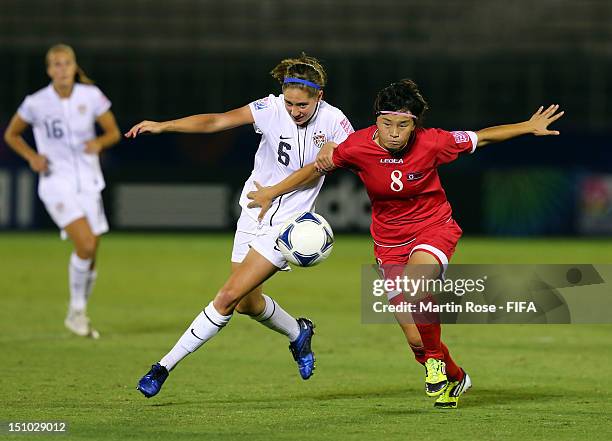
<point>306,239</point>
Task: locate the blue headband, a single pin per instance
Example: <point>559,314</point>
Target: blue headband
<point>301,81</point>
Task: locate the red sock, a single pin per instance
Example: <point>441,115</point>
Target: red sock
<point>430,336</point>
<point>429,328</point>
<point>428,324</point>
<point>454,372</point>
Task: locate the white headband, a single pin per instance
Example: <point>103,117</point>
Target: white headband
<point>389,112</point>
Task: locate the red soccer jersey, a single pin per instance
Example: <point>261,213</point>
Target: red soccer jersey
<point>404,189</point>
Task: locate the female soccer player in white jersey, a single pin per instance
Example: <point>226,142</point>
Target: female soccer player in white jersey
<point>63,117</point>
<point>294,126</point>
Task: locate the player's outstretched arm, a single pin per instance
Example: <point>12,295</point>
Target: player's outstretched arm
<point>204,123</point>
<point>536,125</point>
<point>263,196</point>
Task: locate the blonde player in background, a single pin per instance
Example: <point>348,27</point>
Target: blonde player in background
<point>294,126</point>
<point>63,117</point>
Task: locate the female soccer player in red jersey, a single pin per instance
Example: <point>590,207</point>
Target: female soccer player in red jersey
<point>412,224</point>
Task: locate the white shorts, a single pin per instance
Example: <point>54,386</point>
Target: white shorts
<point>65,206</point>
<point>262,238</point>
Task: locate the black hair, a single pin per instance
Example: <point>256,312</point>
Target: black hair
<point>401,96</point>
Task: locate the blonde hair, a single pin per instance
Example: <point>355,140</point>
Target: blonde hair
<point>303,67</point>
<point>81,76</point>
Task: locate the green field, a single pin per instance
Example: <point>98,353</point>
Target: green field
<point>531,382</point>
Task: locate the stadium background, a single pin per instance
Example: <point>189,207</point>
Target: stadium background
<point>478,64</point>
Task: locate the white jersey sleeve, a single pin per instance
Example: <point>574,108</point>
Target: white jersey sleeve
<point>26,111</point>
<point>100,103</point>
<point>342,130</point>
<point>265,113</point>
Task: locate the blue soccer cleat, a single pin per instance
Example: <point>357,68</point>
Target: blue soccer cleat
<point>152,382</point>
<point>300,348</point>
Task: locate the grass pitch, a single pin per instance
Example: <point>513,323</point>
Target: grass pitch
<point>531,382</point>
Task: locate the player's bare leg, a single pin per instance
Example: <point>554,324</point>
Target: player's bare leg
<point>413,337</point>
<point>404,318</point>
<point>247,277</point>
<point>82,275</point>
<point>266,311</point>
<point>440,368</point>
<point>423,265</point>
<point>254,270</point>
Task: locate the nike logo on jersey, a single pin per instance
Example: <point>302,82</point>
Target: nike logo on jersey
<point>276,248</point>
<point>285,137</point>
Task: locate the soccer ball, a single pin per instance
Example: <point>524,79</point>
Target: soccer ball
<point>306,239</point>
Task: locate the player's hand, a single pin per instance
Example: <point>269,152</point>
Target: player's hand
<point>540,120</point>
<point>324,160</point>
<point>39,164</point>
<point>145,127</point>
<point>260,198</point>
<point>93,147</point>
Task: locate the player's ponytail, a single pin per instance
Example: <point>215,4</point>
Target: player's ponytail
<point>403,95</point>
<point>303,72</point>
<point>81,76</point>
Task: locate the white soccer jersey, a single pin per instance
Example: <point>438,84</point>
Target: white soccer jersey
<point>286,147</point>
<point>61,128</point>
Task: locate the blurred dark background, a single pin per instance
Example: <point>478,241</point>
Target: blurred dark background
<point>479,63</point>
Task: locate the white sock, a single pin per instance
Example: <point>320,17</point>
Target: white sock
<point>78,274</point>
<point>277,319</point>
<point>205,326</point>
<point>91,281</point>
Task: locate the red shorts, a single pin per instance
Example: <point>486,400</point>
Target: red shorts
<point>438,240</point>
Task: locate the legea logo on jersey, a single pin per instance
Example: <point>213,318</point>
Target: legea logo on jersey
<point>319,139</point>
<point>391,161</point>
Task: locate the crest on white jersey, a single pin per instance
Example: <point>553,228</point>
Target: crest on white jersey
<point>319,139</point>
<point>82,108</point>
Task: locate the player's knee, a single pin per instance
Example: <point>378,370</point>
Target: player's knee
<point>86,248</point>
<point>227,299</point>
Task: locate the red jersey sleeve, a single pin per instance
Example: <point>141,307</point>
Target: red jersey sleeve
<point>451,144</point>
<point>342,157</point>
